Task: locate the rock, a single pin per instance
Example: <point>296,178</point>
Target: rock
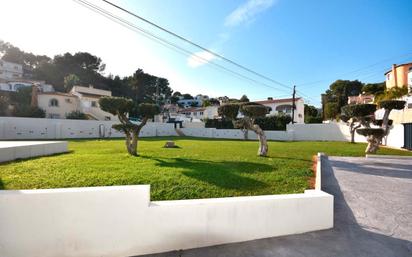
<point>169,144</point>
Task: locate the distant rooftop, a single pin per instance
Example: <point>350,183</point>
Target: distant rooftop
<point>283,100</point>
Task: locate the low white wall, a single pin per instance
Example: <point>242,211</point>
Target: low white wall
<point>12,128</point>
<point>11,150</point>
<point>31,128</point>
<point>395,137</point>
<point>121,221</point>
<point>234,134</point>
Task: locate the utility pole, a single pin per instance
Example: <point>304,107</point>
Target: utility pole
<point>293,104</point>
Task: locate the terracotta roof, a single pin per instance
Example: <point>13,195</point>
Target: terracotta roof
<point>398,65</point>
<point>56,93</point>
<point>277,100</point>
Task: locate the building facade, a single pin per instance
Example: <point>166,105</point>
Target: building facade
<point>10,70</point>
<point>58,105</point>
<point>399,76</point>
<point>361,99</point>
<point>284,106</point>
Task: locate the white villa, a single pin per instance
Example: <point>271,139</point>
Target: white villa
<point>84,99</point>
<point>284,105</point>
<point>10,70</point>
<point>197,101</point>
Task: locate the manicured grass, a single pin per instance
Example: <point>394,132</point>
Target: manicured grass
<point>200,168</point>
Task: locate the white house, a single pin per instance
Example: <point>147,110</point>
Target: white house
<point>285,106</point>
<point>14,85</point>
<point>10,70</point>
<point>192,113</point>
<point>84,99</point>
<point>197,101</point>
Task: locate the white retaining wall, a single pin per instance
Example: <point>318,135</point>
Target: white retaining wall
<point>122,221</point>
<point>11,150</point>
<point>34,128</point>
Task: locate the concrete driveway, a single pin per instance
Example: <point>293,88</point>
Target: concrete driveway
<point>373,215</point>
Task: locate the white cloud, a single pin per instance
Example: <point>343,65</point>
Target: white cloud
<point>247,12</point>
<point>199,58</point>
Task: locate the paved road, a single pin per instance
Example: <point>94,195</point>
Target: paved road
<point>373,216</point>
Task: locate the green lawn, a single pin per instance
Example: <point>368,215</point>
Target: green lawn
<point>200,168</point>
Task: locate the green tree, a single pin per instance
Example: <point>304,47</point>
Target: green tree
<point>187,96</point>
<point>250,111</point>
<point>375,135</point>
<point>374,88</point>
<point>244,99</point>
<point>29,111</point>
<point>338,93</point>
<point>70,81</point>
<point>22,96</point>
<point>4,104</point>
<point>331,110</point>
<point>356,115</point>
<point>122,107</point>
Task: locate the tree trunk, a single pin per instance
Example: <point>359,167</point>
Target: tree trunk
<point>131,143</point>
<point>245,134</point>
<point>353,129</point>
<point>373,144</point>
<point>263,145</point>
<point>385,121</point>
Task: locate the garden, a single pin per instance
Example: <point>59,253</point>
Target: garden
<point>196,168</point>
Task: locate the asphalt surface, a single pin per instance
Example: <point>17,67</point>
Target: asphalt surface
<point>373,216</point>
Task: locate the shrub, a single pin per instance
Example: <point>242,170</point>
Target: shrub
<point>358,110</point>
<point>312,119</point>
<point>229,111</point>
<point>219,124</point>
<point>275,122</point>
<point>29,111</point>
<point>377,132</point>
<point>76,115</point>
<point>392,104</point>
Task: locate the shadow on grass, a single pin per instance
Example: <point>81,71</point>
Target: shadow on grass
<point>224,174</point>
<point>1,184</point>
<point>347,238</point>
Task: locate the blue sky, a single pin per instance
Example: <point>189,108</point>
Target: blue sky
<point>292,41</point>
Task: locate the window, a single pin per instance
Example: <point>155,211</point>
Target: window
<point>94,104</point>
<point>388,77</point>
<point>68,100</point>
<point>54,102</point>
<point>286,108</point>
<point>201,113</point>
<point>16,67</point>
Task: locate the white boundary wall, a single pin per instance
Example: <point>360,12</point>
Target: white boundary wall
<point>12,150</point>
<point>122,221</point>
<point>12,128</point>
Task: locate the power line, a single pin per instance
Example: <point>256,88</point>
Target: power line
<point>175,47</point>
<point>360,69</point>
<point>164,42</point>
<point>197,45</point>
